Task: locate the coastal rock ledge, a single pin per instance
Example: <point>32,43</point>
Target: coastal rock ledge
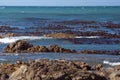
<point>22,46</point>
<point>44,69</point>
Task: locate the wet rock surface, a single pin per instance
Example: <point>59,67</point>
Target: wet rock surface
<point>7,28</point>
<point>6,69</point>
<point>60,35</point>
<point>8,35</point>
<point>44,69</point>
<point>22,46</point>
<point>76,22</point>
<point>16,47</point>
<point>108,32</point>
<point>112,52</point>
<point>93,40</point>
<point>115,75</point>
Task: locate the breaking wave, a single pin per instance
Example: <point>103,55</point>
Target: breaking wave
<point>111,63</point>
<point>3,60</point>
<point>14,39</point>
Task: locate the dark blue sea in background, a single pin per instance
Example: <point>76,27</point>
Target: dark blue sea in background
<point>26,17</point>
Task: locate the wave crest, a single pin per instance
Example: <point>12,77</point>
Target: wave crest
<point>111,63</point>
<point>3,59</point>
<point>14,39</point>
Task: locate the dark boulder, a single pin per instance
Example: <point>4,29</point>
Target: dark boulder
<point>16,47</point>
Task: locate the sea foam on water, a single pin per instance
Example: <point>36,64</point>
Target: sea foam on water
<point>111,63</point>
<point>14,39</point>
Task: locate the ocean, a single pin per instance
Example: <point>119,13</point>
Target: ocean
<point>29,16</point>
<point>29,19</point>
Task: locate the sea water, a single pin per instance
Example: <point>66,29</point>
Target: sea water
<point>27,16</point>
<point>30,16</point>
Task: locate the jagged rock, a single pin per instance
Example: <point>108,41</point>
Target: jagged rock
<point>44,69</point>
<point>115,75</point>
<point>57,70</point>
<point>43,49</point>
<point>97,67</point>
<point>4,76</point>
<point>17,47</point>
<point>24,47</point>
<point>56,48</point>
<point>117,67</point>
<point>82,65</point>
<point>18,74</point>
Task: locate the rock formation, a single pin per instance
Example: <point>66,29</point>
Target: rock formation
<point>44,69</point>
<point>8,35</point>
<point>21,46</point>
<point>60,35</point>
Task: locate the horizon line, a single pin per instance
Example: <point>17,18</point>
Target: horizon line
<point>57,6</point>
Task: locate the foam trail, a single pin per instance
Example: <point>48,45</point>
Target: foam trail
<point>14,39</point>
<point>3,60</point>
<point>111,63</point>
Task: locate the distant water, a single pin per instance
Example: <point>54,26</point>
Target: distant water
<point>31,16</point>
<point>23,17</point>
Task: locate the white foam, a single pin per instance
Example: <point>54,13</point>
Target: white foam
<point>87,37</point>
<point>14,39</point>
<point>3,60</point>
<point>111,63</point>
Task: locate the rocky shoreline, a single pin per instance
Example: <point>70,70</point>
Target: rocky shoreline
<point>44,69</point>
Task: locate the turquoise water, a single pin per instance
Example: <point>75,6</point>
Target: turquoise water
<point>30,16</point>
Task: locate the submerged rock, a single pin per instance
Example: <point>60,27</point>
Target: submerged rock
<point>21,46</point>
<point>60,35</point>
<point>8,29</point>
<point>8,35</point>
<point>111,52</point>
